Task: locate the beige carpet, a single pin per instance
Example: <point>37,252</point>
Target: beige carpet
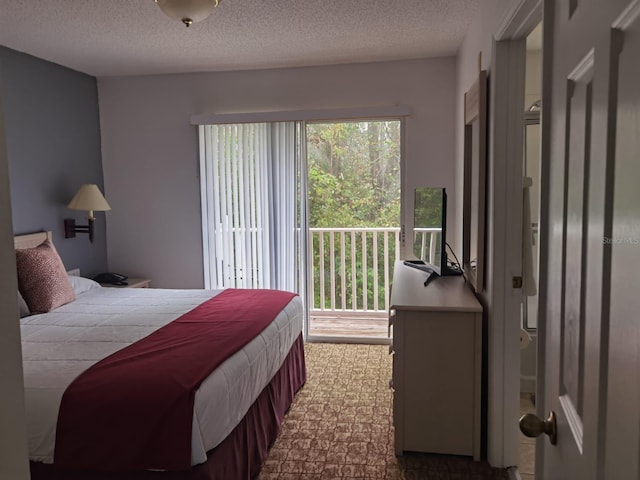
<point>340,425</point>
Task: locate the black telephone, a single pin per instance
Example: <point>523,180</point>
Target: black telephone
<point>111,278</point>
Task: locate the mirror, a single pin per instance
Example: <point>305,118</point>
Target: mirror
<point>531,210</point>
<point>475,148</point>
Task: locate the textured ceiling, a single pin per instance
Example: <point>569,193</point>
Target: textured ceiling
<point>131,37</point>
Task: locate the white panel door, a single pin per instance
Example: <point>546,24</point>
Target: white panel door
<point>593,289</point>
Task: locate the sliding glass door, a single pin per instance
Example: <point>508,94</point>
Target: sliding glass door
<point>249,205</point>
<point>354,227</point>
<point>311,208</point>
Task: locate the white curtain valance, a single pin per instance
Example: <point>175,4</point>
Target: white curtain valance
<point>329,114</point>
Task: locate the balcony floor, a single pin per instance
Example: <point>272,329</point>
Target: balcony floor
<point>329,323</point>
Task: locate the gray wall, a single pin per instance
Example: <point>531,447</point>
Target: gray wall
<point>53,145</point>
<point>150,150</point>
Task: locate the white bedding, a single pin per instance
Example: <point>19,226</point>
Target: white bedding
<point>59,345</point>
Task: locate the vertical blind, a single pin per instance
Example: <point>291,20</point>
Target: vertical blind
<point>248,196</point>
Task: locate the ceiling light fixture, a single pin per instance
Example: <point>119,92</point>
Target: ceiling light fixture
<point>187,11</point>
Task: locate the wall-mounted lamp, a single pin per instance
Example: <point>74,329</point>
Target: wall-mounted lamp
<point>90,199</point>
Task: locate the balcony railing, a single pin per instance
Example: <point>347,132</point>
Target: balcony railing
<point>352,268</point>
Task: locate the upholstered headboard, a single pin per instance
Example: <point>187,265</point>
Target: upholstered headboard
<point>30,240</point>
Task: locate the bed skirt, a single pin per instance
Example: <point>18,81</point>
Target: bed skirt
<point>240,456</point>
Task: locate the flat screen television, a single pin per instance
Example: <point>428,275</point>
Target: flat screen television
<point>430,229</point>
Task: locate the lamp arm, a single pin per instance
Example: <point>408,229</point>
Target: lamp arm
<point>70,228</point>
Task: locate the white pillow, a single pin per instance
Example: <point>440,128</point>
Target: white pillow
<point>81,284</point>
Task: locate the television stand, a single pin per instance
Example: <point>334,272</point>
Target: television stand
<point>425,267</point>
<point>450,271</point>
<point>420,265</point>
<point>437,346</point>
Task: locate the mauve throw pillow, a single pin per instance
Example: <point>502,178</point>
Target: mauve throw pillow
<point>42,278</point>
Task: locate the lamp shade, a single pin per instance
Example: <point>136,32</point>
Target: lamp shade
<point>89,198</point>
<point>188,11</point>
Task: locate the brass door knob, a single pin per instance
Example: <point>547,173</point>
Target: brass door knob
<point>532,426</point>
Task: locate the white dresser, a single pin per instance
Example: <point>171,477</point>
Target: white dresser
<point>437,344</point>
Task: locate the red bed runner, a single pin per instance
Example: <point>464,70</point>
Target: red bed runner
<point>133,410</point>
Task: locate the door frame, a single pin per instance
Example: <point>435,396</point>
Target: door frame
<point>505,197</point>
<point>14,461</point>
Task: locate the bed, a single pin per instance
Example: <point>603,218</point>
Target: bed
<point>237,409</point>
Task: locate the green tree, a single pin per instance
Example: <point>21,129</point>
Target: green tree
<point>354,181</point>
<point>354,174</point>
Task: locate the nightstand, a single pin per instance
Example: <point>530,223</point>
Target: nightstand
<point>132,283</point>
